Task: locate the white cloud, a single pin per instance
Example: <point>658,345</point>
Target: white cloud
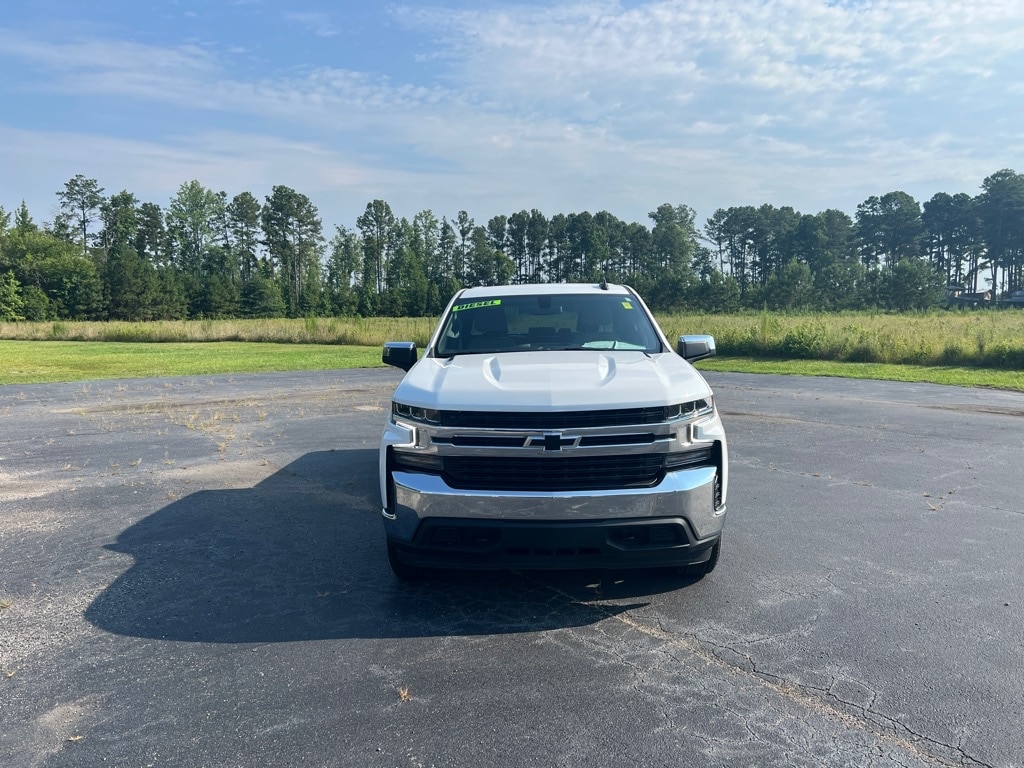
<point>585,105</point>
<point>320,24</point>
<point>792,46</point>
<point>705,128</point>
<point>77,55</point>
<point>154,170</point>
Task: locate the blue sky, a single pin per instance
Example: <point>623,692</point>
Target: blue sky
<point>493,107</point>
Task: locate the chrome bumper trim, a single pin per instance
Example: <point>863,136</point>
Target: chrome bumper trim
<point>687,494</point>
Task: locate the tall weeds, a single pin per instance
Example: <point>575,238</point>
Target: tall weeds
<point>988,339</point>
<point>311,330</point>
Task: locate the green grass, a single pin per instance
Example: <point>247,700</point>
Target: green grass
<point>351,331</point>
<point>983,348</point>
<point>31,362</point>
<point>979,339</point>
<point>956,376</point>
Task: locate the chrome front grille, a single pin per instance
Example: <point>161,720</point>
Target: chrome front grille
<point>547,441</point>
<point>560,473</point>
<point>546,455</point>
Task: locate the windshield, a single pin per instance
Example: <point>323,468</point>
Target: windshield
<point>559,322</point>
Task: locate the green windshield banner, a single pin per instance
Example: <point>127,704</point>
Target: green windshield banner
<point>477,304</point>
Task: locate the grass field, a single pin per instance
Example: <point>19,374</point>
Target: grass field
<point>28,362</point>
<point>350,331</point>
<point>984,339</point>
<point>984,348</point>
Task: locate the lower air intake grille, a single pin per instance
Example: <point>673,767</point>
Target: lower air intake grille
<point>553,474</point>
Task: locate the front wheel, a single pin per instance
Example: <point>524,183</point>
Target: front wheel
<point>402,570</point>
<point>697,571</point>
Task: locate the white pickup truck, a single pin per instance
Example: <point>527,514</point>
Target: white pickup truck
<point>552,426</point>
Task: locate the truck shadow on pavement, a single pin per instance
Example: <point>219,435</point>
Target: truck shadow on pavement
<point>301,556</point>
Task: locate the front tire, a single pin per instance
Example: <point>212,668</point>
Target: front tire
<point>697,571</point>
<point>404,571</point>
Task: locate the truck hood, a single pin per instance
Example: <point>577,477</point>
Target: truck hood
<point>551,380</point>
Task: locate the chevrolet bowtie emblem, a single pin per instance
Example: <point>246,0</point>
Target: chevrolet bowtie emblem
<point>552,441</point>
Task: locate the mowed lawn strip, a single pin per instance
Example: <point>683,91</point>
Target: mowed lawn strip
<point>37,362</point>
<point>992,378</point>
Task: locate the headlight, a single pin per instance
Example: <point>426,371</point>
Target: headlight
<point>414,413</point>
<point>690,410</point>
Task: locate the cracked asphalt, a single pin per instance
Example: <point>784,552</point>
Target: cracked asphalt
<point>192,573</point>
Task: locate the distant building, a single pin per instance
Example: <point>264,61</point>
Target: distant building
<point>1015,299</point>
<point>956,296</point>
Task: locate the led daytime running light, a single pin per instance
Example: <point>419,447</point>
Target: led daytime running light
<point>415,413</point>
<point>689,410</point>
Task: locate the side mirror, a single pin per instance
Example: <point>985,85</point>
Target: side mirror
<point>694,348</point>
<point>401,354</point>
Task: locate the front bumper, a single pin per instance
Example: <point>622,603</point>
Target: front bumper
<point>672,523</point>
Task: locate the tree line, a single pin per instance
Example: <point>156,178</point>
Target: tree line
<point>208,256</point>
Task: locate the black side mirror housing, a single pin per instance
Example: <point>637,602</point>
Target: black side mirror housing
<point>401,354</point>
<point>697,347</point>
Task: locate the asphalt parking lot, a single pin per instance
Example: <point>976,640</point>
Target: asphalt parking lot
<point>192,573</point>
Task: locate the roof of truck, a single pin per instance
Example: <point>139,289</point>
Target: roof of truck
<point>535,289</point>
